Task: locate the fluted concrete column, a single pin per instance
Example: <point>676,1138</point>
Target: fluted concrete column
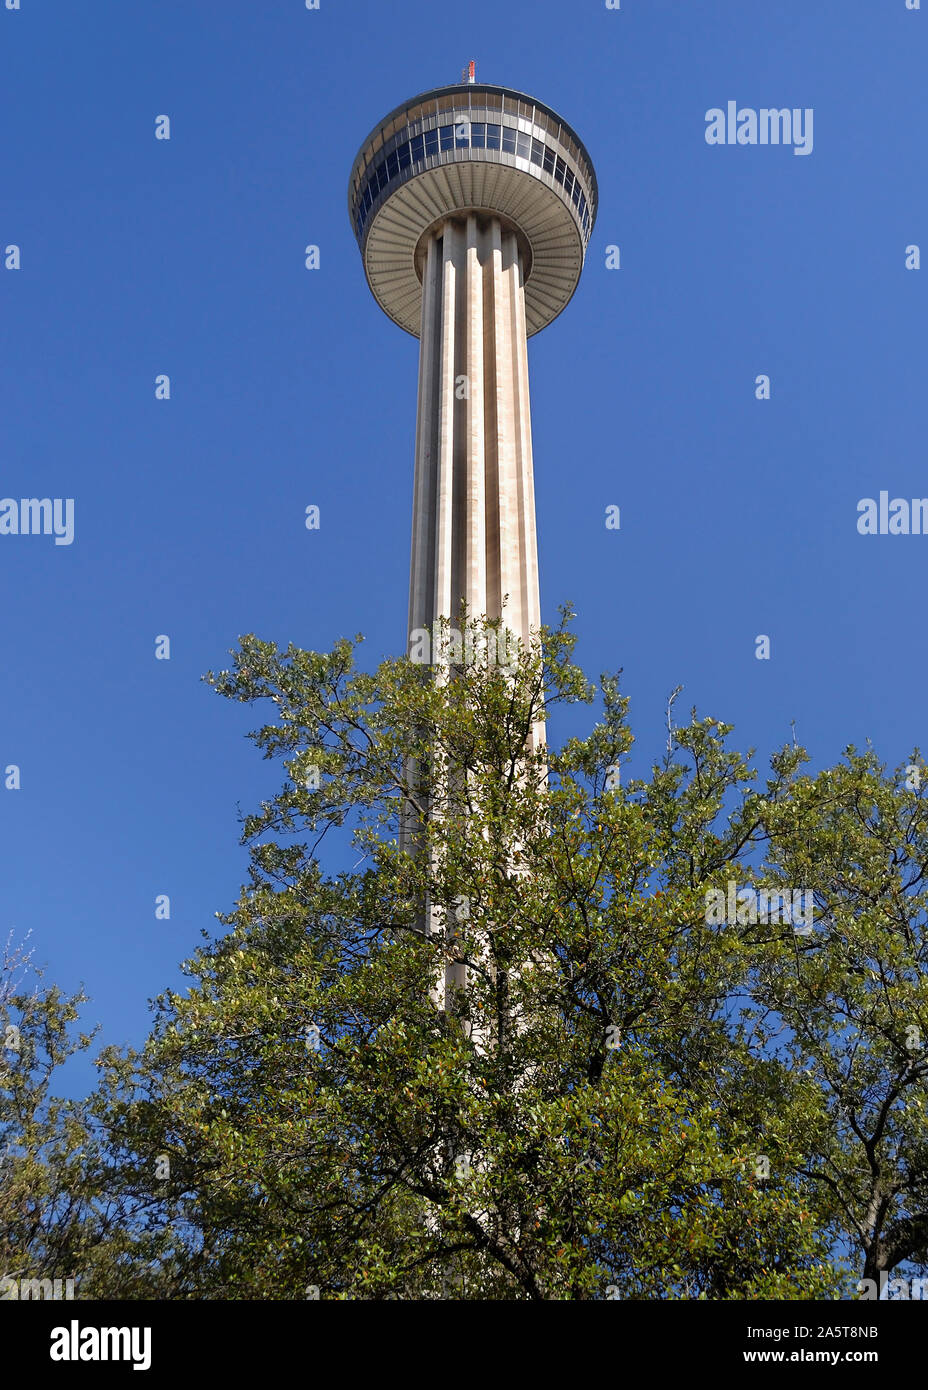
<point>473,535</point>
<point>473,514</point>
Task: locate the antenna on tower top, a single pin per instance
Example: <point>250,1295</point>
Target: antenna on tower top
<point>469,74</point>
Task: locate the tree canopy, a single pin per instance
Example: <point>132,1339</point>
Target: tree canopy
<point>559,1032</point>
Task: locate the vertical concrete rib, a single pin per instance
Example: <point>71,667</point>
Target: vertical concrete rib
<point>422,562</point>
<point>531,605</point>
<point>474,512</point>
<point>507,369</point>
<point>492,332</point>
<point>444,491</point>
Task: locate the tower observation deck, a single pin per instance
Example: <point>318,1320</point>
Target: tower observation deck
<point>473,207</point>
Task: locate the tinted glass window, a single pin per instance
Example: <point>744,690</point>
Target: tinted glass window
<point>568,180</point>
<point>381,176</point>
<point>509,139</point>
<point>538,151</point>
<point>559,170</point>
<point>549,161</point>
<point>492,137</point>
<point>416,148</point>
<point>447,137</point>
<point>462,134</point>
<point>522,145</point>
<point>478,135</point>
<point>431,142</point>
<point>403,154</point>
<point>392,165</point>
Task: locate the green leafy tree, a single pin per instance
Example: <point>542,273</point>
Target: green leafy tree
<point>66,1226</point>
<point>505,1065</point>
<point>553,1032</point>
<point>845,1005</point>
<point>43,1217</point>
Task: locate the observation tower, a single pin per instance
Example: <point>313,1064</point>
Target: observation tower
<point>473,207</point>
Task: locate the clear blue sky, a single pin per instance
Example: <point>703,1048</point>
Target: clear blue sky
<point>290,387</point>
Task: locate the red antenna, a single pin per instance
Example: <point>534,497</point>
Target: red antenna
<point>469,74</point>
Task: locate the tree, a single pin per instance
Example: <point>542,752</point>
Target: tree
<point>66,1227</point>
<point>552,1032</point>
<point>583,1117</point>
<point>846,1005</point>
<point>43,1226</point>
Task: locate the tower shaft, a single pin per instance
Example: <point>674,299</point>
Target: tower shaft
<point>473,206</point>
<point>473,536</point>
